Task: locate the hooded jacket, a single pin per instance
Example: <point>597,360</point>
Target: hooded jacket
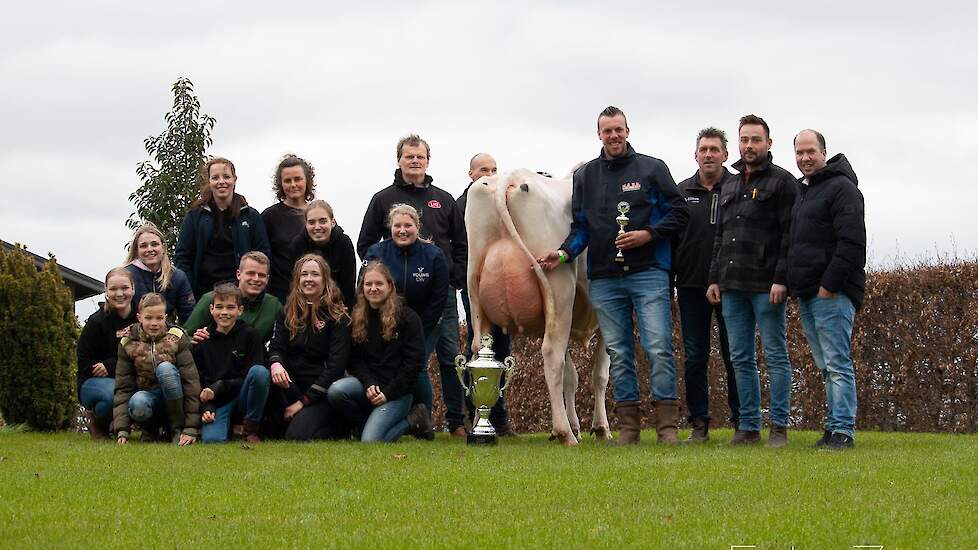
<point>259,313</point>
<point>247,234</point>
<point>694,247</point>
<point>179,296</point>
<point>750,249</point>
<point>441,221</point>
<point>338,253</point>
<point>314,358</point>
<point>392,365</point>
<point>654,202</point>
<point>828,234</point>
<point>139,355</point>
<point>223,361</point>
<point>420,274</point>
<point>99,341</point>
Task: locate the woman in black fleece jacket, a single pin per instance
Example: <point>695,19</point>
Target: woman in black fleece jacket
<point>98,349</point>
<point>387,355</point>
<point>309,351</point>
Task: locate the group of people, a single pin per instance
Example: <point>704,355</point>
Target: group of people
<point>280,332</point>
<point>733,246</point>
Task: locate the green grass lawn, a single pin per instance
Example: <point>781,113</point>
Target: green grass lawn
<point>894,490</point>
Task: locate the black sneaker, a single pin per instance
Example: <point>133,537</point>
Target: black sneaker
<point>824,440</point>
<point>419,423</point>
<point>840,442</point>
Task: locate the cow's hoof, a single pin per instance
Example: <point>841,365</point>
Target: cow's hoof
<point>601,433</point>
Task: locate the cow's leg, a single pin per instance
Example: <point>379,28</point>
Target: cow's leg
<point>554,347</point>
<point>570,389</point>
<point>599,385</point>
<point>482,230</point>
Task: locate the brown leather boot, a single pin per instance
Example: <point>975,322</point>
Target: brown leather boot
<point>629,422</point>
<point>777,437</point>
<point>666,421</point>
<point>97,428</point>
<point>745,437</point>
<point>250,432</point>
<point>701,431</point>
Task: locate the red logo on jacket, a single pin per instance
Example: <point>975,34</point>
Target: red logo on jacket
<point>434,204</point>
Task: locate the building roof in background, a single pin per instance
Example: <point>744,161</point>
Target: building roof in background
<point>82,286</point>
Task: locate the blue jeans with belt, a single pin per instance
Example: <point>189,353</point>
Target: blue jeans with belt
<point>744,313</point>
<point>646,293</point>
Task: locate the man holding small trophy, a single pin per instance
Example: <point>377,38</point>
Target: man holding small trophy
<point>626,208</point>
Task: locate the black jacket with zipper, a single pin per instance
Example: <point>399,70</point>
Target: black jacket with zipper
<point>314,358</point>
<point>693,250</point>
<point>828,234</point>
<point>391,365</point>
<point>223,361</point>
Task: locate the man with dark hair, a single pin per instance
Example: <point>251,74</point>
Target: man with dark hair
<point>619,182</point>
<point>442,223</point>
<point>826,272</point>
<point>694,251</point>
<point>749,267</point>
<point>482,164</point>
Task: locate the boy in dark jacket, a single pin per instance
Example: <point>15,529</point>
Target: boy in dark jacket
<point>826,272</point>
<point>234,382</point>
<point>155,378</point>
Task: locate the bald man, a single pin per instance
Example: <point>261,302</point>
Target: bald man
<point>481,165</point>
<point>826,261</point>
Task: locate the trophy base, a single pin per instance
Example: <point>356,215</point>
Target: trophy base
<point>481,439</point>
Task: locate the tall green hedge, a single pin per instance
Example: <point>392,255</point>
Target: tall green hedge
<point>38,335</point>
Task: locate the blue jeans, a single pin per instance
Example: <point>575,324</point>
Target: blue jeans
<point>387,422</point>
<point>828,328</point>
<point>147,405</point>
<point>443,340</point>
<point>250,402</point>
<point>744,312</point>
<point>696,319</point>
<point>95,394</point>
<point>647,293</point>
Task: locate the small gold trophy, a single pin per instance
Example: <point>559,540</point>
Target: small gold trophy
<point>484,388</point>
<point>622,220</point>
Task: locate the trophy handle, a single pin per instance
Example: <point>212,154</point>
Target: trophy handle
<point>460,371</point>
<point>510,371</point>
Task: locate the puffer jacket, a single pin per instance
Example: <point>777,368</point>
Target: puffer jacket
<point>139,355</point>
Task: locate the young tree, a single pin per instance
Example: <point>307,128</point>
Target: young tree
<point>38,335</point>
<point>170,185</point>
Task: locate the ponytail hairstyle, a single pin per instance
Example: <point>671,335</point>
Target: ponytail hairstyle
<point>205,194</point>
<point>166,267</point>
<point>300,314</point>
<point>390,311</point>
<point>117,272</point>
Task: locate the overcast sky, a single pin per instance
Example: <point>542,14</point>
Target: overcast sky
<point>890,84</point>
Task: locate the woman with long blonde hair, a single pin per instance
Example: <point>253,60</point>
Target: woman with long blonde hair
<point>309,350</point>
<point>387,355</point>
<point>152,271</point>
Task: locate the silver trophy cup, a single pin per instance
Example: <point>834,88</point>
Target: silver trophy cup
<point>622,220</point>
<point>484,388</point>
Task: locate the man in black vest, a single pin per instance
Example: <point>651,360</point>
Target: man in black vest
<point>826,272</point>
<point>694,251</point>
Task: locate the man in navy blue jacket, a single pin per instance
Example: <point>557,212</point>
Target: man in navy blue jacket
<point>826,263</point>
<point>639,281</point>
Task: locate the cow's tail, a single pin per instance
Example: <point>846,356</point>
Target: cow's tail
<point>502,206</point>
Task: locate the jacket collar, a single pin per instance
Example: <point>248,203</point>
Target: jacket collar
<point>401,182</point>
<point>697,186</point>
<point>629,154</point>
<point>741,166</point>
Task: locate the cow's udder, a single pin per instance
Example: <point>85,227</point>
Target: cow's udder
<point>509,292</point>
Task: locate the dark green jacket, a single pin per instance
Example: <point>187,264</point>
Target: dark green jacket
<point>259,313</point>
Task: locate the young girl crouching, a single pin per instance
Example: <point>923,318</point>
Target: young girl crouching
<point>156,382</point>
<point>387,355</point>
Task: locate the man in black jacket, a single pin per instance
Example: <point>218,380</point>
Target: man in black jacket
<point>442,223</point>
<point>750,256</point>
<point>826,272</point>
<point>621,181</point>
<point>694,251</point>
<point>482,164</point>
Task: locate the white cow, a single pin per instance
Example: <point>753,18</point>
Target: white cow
<point>511,219</point>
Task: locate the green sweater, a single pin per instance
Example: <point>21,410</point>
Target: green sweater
<point>260,314</point>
